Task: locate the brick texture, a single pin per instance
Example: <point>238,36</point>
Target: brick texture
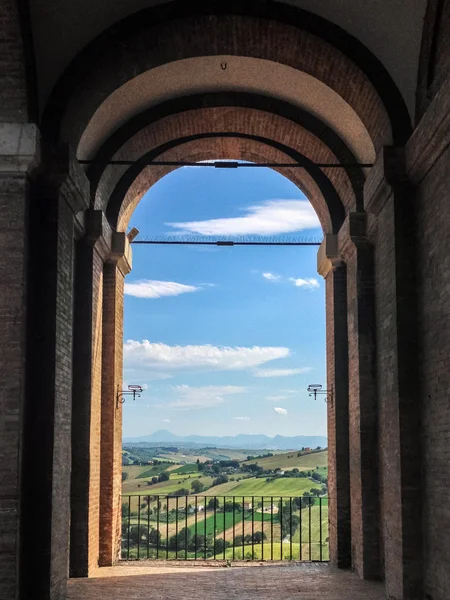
<point>122,58</point>
<point>363,446</point>
<point>13,77</point>
<point>434,342</point>
<point>86,410</point>
<point>338,417</point>
<point>13,288</point>
<point>222,120</point>
<point>111,434</point>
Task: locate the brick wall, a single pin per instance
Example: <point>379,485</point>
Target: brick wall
<point>13,88</point>
<point>13,288</point>
<point>434,343</point>
<point>338,416</point>
<point>111,439</point>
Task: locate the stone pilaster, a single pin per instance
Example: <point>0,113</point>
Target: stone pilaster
<point>19,158</point>
<point>117,267</point>
<point>59,194</point>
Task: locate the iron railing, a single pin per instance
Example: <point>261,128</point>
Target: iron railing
<point>224,528</point>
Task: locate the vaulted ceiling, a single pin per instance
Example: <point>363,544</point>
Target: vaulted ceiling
<point>390,29</point>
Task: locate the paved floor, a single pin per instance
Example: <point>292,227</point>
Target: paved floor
<point>239,582</point>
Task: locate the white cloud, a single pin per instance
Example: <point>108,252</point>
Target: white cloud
<point>203,397</point>
<point>310,283</point>
<point>241,418</point>
<point>280,372</point>
<point>145,357</point>
<point>150,288</point>
<point>279,410</point>
<point>165,420</point>
<point>269,218</point>
<point>271,276</point>
<point>276,398</point>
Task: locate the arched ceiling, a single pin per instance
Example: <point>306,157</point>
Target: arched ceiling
<point>390,29</point>
<point>243,74</point>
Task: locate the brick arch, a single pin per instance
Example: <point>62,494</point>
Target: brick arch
<point>233,111</point>
<point>161,35</point>
<point>271,134</point>
<point>219,146</point>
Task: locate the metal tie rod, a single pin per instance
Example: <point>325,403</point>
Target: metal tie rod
<point>225,164</point>
<point>223,243</point>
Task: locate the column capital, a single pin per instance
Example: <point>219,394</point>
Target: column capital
<point>20,148</point>
<point>354,233</point>
<point>98,232</point>
<point>62,176</point>
<point>121,254</point>
<point>328,257</point>
<point>389,172</point>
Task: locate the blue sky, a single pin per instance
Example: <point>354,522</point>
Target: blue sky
<point>225,340</point>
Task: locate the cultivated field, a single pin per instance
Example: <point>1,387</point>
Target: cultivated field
<point>291,460</point>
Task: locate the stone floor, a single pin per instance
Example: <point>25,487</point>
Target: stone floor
<point>242,581</point>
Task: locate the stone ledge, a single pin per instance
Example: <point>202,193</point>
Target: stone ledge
<point>20,150</point>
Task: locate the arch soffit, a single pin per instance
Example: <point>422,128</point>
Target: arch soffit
<point>223,121</point>
<point>137,179</point>
<point>150,46</point>
<point>233,75</point>
<point>222,148</point>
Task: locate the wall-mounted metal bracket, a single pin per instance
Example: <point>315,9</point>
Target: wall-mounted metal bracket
<point>315,389</point>
<point>133,390</point>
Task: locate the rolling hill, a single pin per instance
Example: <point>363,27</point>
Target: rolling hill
<point>278,442</point>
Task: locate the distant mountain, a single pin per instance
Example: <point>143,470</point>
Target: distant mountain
<point>278,442</point>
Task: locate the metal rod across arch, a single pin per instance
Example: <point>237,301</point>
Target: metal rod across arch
<point>225,164</point>
<point>221,243</point>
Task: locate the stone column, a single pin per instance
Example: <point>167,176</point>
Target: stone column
<point>333,269</point>
<point>60,193</point>
<point>390,196</point>
<point>355,249</point>
<point>119,265</point>
<point>91,251</point>
<point>19,155</point>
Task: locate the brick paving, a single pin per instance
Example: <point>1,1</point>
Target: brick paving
<point>241,581</point>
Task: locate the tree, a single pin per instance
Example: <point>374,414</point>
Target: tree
<point>154,480</point>
<point>289,522</point>
<point>124,476</point>
<point>259,536</point>
<point>164,476</point>
<point>213,503</point>
<point>197,486</point>
<point>155,537</point>
<point>220,545</point>
<point>221,479</point>
<point>180,492</point>
<point>238,540</point>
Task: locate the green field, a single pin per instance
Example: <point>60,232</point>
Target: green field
<point>188,468</point>
<point>152,471</point>
<point>291,460</point>
<point>276,487</point>
<point>253,486</point>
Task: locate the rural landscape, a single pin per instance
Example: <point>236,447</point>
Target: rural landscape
<point>216,503</point>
